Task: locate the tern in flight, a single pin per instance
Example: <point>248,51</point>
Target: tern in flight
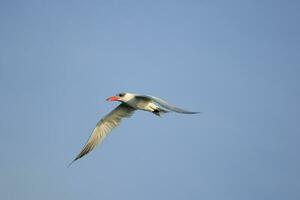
<point>129,103</point>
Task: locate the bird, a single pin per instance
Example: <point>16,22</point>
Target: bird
<point>130,102</point>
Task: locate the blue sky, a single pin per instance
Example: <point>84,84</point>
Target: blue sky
<point>236,61</point>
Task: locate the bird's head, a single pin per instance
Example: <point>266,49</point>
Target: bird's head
<point>122,97</point>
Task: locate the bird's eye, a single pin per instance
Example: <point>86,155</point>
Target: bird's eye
<point>121,95</point>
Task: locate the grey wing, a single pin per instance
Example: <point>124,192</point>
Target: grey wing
<point>104,126</point>
<point>166,105</point>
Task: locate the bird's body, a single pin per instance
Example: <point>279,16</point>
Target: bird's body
<point>129,103</point>
<point>138,103</point>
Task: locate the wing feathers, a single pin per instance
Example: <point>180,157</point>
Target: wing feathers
<point>166,105</point>
<point>104,126</point>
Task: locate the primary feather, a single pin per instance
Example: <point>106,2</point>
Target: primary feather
<point>104,126</point>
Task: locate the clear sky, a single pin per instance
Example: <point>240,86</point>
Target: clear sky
<point>236,61</point>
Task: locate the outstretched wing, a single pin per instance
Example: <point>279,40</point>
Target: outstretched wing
<point>165,105</point>
<point>104,126</point>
